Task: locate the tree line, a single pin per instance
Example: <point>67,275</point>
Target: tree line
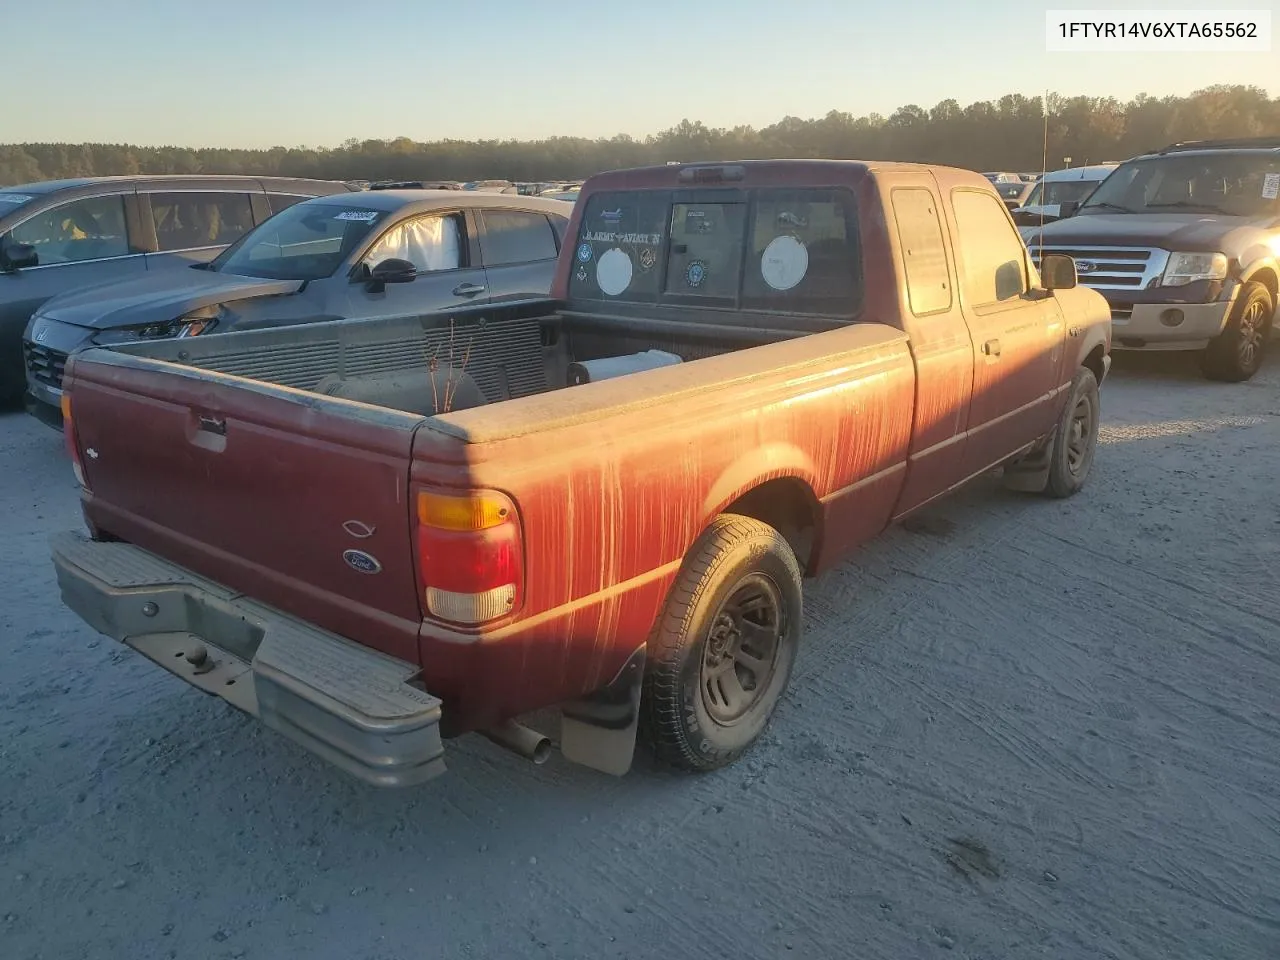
<point>1005,134</point>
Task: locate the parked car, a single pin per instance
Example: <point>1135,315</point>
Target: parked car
<point>1013,194</point>
<point>771,361</point>
<point>64,234</point>
<point>1184,243</point>
<point>361,255</point>
<point>1044,201</point>
<point>994,177</point>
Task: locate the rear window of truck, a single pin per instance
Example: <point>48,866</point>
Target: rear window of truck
<point>777,250</point>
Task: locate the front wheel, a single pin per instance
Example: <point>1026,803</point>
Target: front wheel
<point>722,651</point>
<point>1236,354</point>
<point>1075,441</point>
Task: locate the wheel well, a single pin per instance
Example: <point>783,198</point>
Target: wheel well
<point>1268,279</point>
<point>790,507</point>
<point>1094,362</point>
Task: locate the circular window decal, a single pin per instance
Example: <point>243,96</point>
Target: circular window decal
<point>613,272</point>
<point>784,263</point>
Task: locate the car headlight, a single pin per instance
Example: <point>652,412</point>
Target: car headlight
<point>1187,268</point>
<point>182,327</point>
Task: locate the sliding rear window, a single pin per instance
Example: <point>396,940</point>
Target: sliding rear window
<point>781,251</point>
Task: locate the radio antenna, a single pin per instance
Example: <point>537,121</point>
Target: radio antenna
<point>1044,163</point>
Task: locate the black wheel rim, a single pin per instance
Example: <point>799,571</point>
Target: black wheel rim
<point>1249,344</point>
<point>741,649</point>
<point>1080,439</point>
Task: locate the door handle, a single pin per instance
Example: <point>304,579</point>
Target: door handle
<point>468,290</point>
<point>991,348</point>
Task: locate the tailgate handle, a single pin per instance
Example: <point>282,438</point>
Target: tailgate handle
<point>214,425</point>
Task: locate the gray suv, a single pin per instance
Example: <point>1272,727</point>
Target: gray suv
<point>370,254</point>
<point>65,234</point>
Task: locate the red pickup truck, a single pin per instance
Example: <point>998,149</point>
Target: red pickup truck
<point>376,535</point>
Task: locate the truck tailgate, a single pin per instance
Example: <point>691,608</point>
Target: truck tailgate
<point>288,497</point>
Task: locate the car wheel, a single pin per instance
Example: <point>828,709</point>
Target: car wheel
<point>1075,441</point>
<point>1236,354</point>
<point>721,653</point>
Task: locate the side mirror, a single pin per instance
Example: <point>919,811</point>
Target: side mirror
<point>1057,271</point>
<point>393,271</point>
<point>1068,208</point>
<point>17,256</point>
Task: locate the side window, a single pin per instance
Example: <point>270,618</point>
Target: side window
<point>186,221</point>
<point>282,201</point>
<point>990,250</point>
<point>88,229</point>
<point>511,236</point>
<point>924,254</point>
<point>430,243</point>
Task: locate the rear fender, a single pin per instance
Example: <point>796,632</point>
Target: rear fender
<point>757,468</point>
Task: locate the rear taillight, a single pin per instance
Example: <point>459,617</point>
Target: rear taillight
<point>470,556</point>
<point>69,439</point>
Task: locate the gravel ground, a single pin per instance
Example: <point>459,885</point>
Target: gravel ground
<point>1018,729</point>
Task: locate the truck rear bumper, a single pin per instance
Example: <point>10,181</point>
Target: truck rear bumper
<point>350,705</point>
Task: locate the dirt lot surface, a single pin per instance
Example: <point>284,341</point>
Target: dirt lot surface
<point>1019,729</point>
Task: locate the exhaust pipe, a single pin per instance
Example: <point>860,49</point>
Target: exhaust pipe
<point>518,738</point>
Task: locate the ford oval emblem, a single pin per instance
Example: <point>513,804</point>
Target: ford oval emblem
<point>362,562</point>
<point>1085,266</point>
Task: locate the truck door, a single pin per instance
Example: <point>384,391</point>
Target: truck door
<point>1017,334</point>
<point>940,341</point>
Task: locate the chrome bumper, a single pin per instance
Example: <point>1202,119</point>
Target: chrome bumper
<point>350,705</point>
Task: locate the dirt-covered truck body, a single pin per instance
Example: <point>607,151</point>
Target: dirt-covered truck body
<point>377,534</point>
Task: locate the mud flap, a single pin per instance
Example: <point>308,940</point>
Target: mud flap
<point>599,731</point>
<point>1030,472</point>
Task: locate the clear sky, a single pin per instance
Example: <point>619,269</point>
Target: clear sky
<point>256,73</point>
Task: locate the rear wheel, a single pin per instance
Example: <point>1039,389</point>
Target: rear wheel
<point>1236,354</point>
<point>722,651</point>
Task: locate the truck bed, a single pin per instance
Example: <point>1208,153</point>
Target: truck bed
<point>510,354</point>
<point>613,479</point>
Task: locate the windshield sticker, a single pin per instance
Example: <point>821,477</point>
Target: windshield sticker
<point>361,216</point>
<point>784,262</point>
<point>647,259</point>
<point>650,239</point>
<point>788,219</point>
<point>611,216</point>
<point>584,252</point>
<point>15,197</point>
<point>695,274</point>
<point>1271,186</point>
<point>581,274</point>
<point>613,272</point>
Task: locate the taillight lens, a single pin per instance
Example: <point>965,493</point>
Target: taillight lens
<point>69,440</point>
<point>470,556</point>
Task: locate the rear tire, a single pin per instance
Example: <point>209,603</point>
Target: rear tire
<point>1075,440</point>
<point>1236,354</point>
<point>721,653</point>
